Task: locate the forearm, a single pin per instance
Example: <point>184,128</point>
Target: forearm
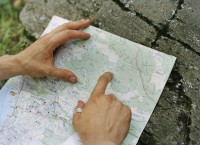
<point>9,67</point>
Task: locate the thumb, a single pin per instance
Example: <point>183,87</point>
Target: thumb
<point>76,116</point>
<point>63,74</point>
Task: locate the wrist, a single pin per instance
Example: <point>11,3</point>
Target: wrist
<point>18,62</point>
<point>9,66</point>
<point>99,142</point>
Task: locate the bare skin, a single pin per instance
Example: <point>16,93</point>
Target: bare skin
<point>37,59</point>
<point>104,120</point>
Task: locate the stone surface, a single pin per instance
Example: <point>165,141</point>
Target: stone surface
<point>114,19</point>
<point>170,26</point>
<point>187,25</point>
<point>157,11</point>
<point>37,13</point>
<point>177,109</point>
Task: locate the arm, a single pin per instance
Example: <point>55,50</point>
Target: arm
<point>37,60</point>
<point>9,67</point>
<point>104,120</point>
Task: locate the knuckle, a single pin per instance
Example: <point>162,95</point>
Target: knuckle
<point>63,76</point>
<point>45,39</point>
<point>81,34</point>
<point>46,72</point>
<point>48,36</point>
<point>54,42</point>
<point>109,98</point>
<point>119,103</point>
<point>70,34</point>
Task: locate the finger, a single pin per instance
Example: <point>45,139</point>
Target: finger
<point>67,35</point>
<point>101,85</point>
<point>63,74</point>
<point>77,114</point>
<point>77,25</point>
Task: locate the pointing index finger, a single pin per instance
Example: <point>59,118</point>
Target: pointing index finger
<point>101,85</point>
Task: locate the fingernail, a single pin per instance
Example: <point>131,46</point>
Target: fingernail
<point>82,20</point>
<point>88,20</point>
<point>91,18</point>
<point>85,20</point>
<point>112,75</point>
<point>73,79</point>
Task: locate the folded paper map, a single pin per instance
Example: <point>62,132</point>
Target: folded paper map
<point>39,111</point>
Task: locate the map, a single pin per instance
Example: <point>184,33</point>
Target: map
<point>39,111</point>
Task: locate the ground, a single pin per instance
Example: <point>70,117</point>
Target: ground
<point>13,37</point>
<point>170,26</point>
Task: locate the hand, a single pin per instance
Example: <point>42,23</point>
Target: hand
<point>104,119</point>
<point>37,59</point>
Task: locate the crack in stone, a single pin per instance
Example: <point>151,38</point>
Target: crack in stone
<point>139,15</point>
<point>183,99</point>
<point>146,138</point>
<point>186,45</point>
<point>147,20</point>
<point>184,118</point>
<point>178,7</point>
<point>163,31</point>
<point>121,5</point>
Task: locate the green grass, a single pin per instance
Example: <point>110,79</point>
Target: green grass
<point>13,37</point>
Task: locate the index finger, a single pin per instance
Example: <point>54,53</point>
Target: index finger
<point>76,25</point>
<point>62,37</point>
<point>101,85</point>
